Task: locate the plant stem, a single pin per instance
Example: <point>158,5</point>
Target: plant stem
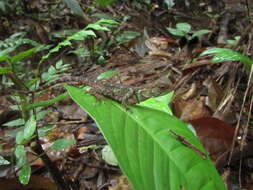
<point>24,101</point>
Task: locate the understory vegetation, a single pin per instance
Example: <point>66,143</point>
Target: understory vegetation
<point>126,94</point>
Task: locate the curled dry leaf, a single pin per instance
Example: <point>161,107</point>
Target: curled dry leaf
<point>190,109</point>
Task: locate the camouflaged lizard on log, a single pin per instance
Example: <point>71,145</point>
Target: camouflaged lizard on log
<point>118,92</point>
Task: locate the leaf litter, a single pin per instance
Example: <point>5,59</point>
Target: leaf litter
<point>207,95</point>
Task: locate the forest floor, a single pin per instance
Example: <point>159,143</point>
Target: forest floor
<point>214,98</point>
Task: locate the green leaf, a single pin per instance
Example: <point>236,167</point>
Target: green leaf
<point>3,161</point>
<point>25,173</point>
<point>48,102</point>
<point>223,54</point>
<point>43,131</point>
<point>151,156</point>
<point>184,27</point>
<point>82,35</point>
<point>107,74</point>
<point>30,127</point>
<point>41,114</point>
<point>159,103</point>
<point>20,155</point>
<point>176,32</point>
<point>24,54</point>
<point>75,7</point>
<point>4,54</point>
<point>20,137</point>
<point>14,123</point>
<point>4,57</point>
<point>169,3</point>
<point>107,21</point>
<point>20,151</point>
<point>5,70</point>
<point>200,33</point>
<point>98,27</point>
<point>82,52</point>
<point>61,144</point>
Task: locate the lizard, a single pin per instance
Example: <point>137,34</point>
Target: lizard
<point>121,93</point>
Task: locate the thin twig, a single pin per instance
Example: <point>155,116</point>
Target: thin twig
<point>245,132</point>
<point>239,120</point>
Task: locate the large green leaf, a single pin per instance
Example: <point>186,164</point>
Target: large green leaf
<point>151,156</point>
<point>224,54</point>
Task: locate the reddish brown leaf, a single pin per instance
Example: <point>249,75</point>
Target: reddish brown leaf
<point>215,135</point>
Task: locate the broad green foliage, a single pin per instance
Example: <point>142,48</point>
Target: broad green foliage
<point>13,42</point>
<point>183,29</point>
<point>55,72</point>
<point>14,63</point>
<point>20,153</point>
<point>149,154</point>
<point>223,54</point>
<point>102,25</point>
<point>159,103</point>
<point>24,54</point>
